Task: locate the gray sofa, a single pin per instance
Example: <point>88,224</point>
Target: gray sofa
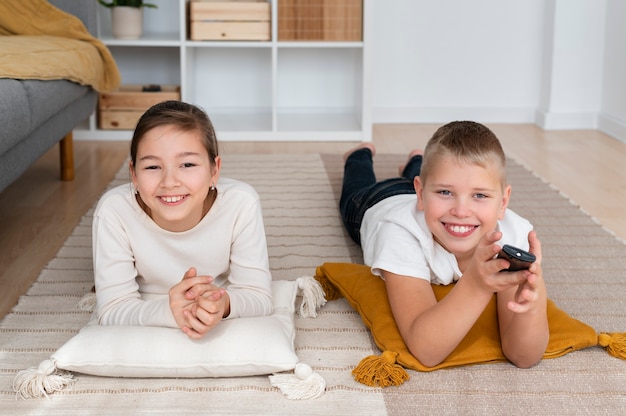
<point>36,115</point>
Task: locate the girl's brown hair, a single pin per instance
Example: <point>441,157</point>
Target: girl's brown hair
<point>184,117</point>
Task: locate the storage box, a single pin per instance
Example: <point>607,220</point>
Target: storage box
<point>234,20</point>
<point>320,20</point>
<point>121,109</point>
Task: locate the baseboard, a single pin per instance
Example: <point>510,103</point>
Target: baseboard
<point>393,115</point>
<point>612,126</point>
<point>566,121</point>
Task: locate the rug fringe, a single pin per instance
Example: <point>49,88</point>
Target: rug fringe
<point>303,384</point>
<point>312,296</point>
<point>41,381</point>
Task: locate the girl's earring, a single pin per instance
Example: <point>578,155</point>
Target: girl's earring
<point>212,187</point>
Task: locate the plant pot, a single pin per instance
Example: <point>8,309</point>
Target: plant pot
<point>127,22</point>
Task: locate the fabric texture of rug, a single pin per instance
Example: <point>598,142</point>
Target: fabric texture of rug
<point>584,266</point>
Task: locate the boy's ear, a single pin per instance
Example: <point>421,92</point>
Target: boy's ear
<point>419,190</point>
<point>506,197</point>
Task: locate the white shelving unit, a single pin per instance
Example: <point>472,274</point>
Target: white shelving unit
<point>253,91</point>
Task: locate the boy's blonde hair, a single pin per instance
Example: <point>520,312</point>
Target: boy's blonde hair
<point>467,142</point>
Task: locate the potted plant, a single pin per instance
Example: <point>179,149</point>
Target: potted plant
<point>126,17</point>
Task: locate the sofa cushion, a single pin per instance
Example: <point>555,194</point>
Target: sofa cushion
<point>15,124</point>
<point>26,104</point>
<point>46,98</point>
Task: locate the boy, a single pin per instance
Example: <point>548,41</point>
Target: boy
<point>452,234</point>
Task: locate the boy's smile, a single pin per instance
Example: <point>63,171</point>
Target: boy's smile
<point>461,202</point>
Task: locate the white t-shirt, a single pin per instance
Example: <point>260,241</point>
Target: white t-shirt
<point>136,262</point>
<point>395,238</point>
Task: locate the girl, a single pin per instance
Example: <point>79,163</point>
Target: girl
<point>183,247</point>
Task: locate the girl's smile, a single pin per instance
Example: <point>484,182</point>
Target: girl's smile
<point>172,200</point>
<point>173,176</point>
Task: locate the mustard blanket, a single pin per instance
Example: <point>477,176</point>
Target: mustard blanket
<point>52,45</point>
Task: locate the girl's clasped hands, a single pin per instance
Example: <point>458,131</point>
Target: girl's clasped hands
<point>197,304</point>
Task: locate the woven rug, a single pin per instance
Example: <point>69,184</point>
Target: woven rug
<point>584,266</point>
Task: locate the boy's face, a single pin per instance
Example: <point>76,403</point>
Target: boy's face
<point>461,202</point>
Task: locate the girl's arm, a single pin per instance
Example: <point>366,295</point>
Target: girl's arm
<point>249,287</point>
<point>117,291</point>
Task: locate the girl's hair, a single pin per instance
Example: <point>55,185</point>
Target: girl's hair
<point>467,142</point>
<point>180,115</point>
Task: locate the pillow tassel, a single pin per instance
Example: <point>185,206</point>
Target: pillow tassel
<point>330,291</point>
<point>381,371</point>
<point>312,296</point>
<point>614,343</point>
<point>37,382</point>
<point>302,384</point>
<point>87,302</point>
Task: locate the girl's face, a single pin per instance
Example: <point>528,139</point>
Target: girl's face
<point>173,175</point>
<point>462,202</point>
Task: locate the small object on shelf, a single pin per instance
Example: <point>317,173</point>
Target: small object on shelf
<point>234,20</point>
<point>126,17</point>
<point>320,20</point>
<point>151,88</point>
<point>121,109</point>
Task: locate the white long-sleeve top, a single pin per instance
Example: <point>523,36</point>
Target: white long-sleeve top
<point>136,262</point>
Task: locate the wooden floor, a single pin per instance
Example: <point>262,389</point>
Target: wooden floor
<point>38,211</point>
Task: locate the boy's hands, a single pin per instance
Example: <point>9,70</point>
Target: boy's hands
<point>522,314</point>
<point>485,269</point>
<point>532,289</point>
<point>197,304</point>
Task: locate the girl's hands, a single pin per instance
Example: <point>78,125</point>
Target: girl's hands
<point>197,304</point>
<point>178,299</point>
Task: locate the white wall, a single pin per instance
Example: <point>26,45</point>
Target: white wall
<point>612,118</point>
<point>557,63</point>
<point>439,60</point>
<point>572,65</point>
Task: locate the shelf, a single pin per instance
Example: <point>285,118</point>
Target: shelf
<point>227,44</point>
<point>323,45</point>
<point>252,90</point>
<point>147,40</point>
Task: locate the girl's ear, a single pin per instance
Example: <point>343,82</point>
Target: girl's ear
<point>133,174</point>
<point>215,171</point>
<point>419,190</point>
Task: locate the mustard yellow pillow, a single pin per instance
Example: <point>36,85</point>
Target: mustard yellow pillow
<point>367,294</point>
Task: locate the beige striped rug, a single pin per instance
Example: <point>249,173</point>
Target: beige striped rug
<point>584,265</point>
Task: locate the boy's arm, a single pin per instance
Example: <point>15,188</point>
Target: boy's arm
<point>430,329</point>
<point>522,315</point>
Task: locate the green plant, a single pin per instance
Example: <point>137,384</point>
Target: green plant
<point>128,3</point>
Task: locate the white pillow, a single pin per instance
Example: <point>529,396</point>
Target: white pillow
<point>236,347</point>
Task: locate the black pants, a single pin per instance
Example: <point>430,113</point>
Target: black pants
<point>360,191</point>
